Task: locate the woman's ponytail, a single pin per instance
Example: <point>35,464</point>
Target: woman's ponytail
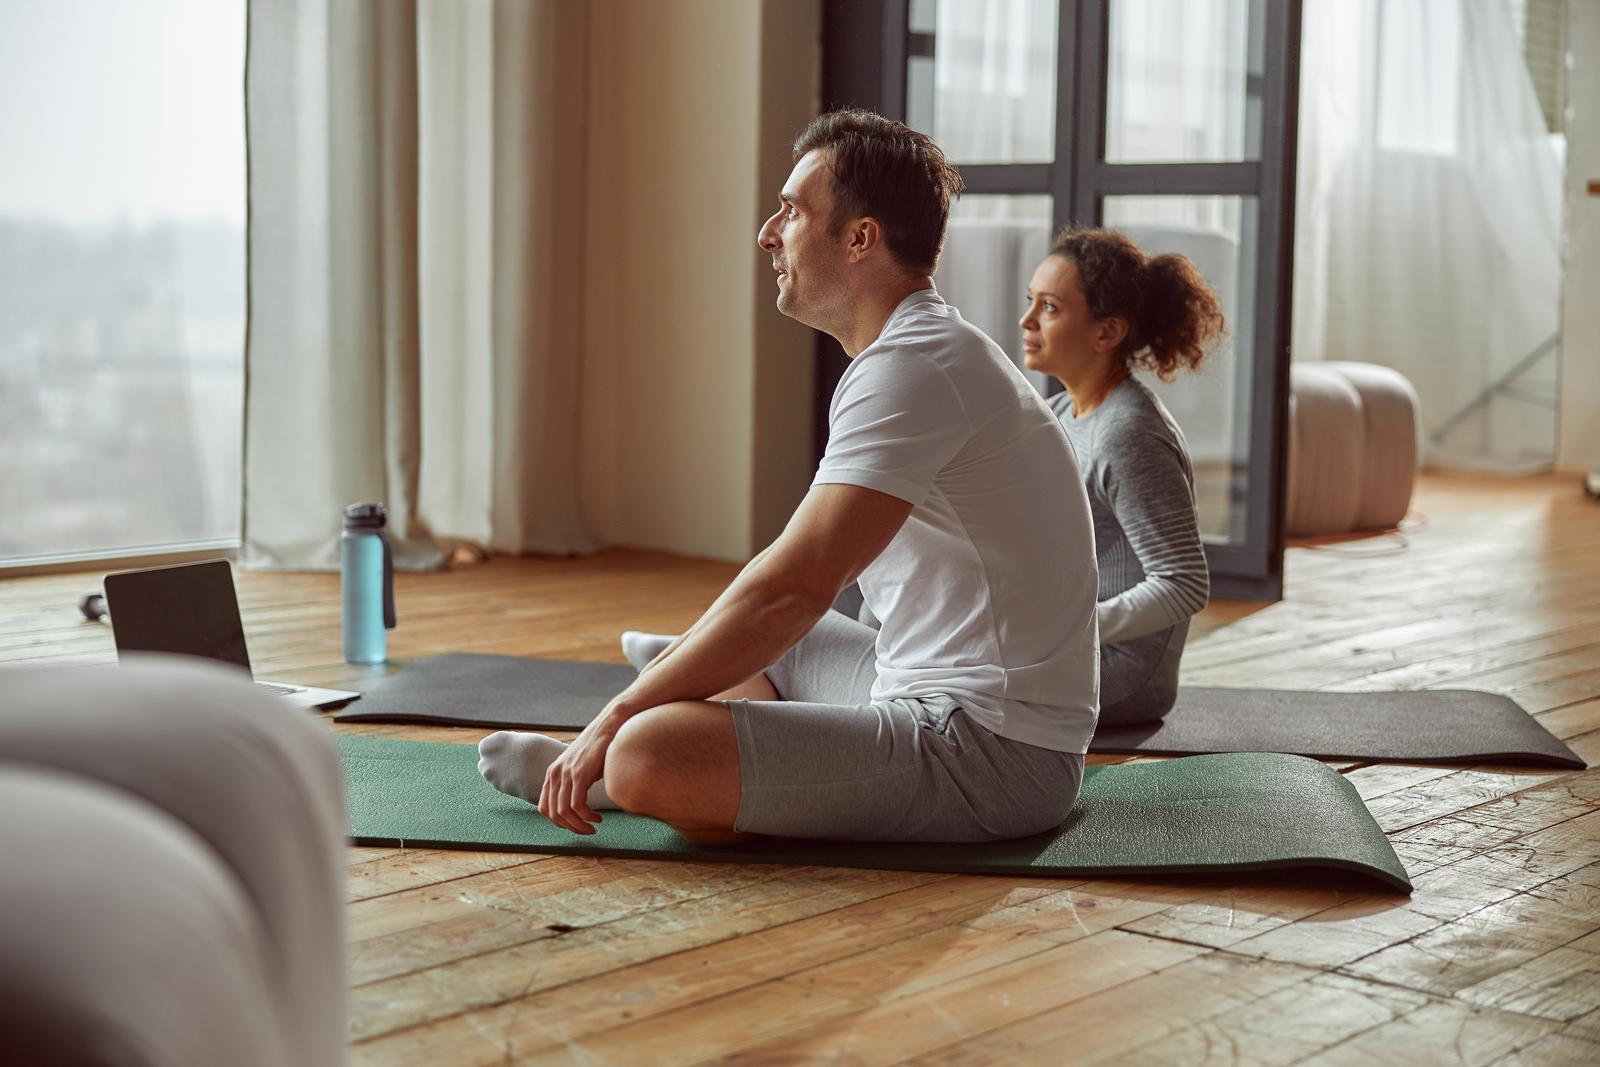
<point>1180,318</point>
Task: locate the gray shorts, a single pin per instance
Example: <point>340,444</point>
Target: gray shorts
<point>828,762</point>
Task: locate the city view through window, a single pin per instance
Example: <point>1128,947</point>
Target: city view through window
<point>122,276</point>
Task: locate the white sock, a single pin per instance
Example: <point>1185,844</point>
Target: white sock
<point>640,648</point>
<point>515,762</point>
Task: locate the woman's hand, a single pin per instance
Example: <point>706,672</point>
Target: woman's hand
<point>564,798</point>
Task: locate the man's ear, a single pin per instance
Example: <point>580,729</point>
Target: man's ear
<point>1110,335</point>
<point>865,235</point>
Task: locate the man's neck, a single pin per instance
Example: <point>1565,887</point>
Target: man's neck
<point>871,314</point>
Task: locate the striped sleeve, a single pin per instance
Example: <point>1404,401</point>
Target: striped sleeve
<point>1146,482</point>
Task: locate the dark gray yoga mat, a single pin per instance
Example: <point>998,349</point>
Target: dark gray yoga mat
<point>1234,812</point>
<point>1446,725</point>
<point>1425,725</point>
<point>467,689</point>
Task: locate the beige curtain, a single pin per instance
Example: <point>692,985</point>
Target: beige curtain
<point>416,204</point>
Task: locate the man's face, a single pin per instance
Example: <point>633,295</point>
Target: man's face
<point>808,256</point>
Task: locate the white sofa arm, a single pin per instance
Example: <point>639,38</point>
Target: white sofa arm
<point>173,876</point>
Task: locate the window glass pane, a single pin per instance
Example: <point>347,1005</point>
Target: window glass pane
<point>1212,407</point>
<point>919,93</point>
<point>989,95</point>
<point>990,250</point>
<point>1184,80</point>
<point>122,203</point>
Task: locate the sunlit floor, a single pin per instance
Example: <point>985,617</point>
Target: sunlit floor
<point>474,958</point>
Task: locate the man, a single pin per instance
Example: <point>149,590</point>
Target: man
<point>950,491</point>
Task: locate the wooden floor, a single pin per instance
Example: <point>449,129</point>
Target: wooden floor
<point>484,958</point>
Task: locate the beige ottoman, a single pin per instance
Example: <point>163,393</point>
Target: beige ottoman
<point>1354,446</point>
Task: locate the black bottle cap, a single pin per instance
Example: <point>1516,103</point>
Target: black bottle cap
<point>370,516</point>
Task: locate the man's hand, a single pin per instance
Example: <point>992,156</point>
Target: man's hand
<point>564,799</point>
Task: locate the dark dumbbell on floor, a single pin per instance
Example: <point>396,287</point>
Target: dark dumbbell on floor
<point>93,605</point>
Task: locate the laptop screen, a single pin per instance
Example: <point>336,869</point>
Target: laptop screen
<point>188,610</point>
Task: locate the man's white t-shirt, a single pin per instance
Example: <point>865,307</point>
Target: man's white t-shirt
<point>987,593</point>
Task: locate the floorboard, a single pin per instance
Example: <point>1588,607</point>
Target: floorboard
<point>485,958</point>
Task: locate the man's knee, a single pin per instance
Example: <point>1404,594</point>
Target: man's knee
<point>672,762</point>
<point>638,763</point>
<point>640,767</point>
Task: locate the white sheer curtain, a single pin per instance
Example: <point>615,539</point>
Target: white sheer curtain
<point>1427,234</point>
<point>416,182</point>
<point>1178,88</point>
<point>994,80</point>
<point>993,89</point>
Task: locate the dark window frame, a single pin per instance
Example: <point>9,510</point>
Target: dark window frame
<point>864,58</point>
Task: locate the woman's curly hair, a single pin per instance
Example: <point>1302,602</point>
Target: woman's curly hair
<point>1172,313</point>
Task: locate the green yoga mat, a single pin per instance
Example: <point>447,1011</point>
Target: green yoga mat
<point>1241,811</point>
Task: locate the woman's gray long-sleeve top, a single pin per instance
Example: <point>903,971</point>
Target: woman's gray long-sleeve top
<point>1153,574</point>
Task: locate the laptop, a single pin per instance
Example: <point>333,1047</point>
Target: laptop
<point>191,610</point>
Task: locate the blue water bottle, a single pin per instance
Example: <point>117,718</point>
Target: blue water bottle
<point>366,583</point>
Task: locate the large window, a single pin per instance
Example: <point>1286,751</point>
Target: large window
<point>1173,120</point>
<point>122,274</point>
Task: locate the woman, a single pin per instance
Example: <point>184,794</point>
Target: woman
<point>1098,309</point>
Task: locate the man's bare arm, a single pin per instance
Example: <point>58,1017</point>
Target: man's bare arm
<point>661,657</point>
<point>776,599</point>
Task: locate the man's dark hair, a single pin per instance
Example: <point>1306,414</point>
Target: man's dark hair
<point>891,172</point>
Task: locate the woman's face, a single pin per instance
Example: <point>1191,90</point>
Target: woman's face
<point>1059,335</point>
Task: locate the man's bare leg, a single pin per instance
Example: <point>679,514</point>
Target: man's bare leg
<point>680,763</point>
<point>757,688</point>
